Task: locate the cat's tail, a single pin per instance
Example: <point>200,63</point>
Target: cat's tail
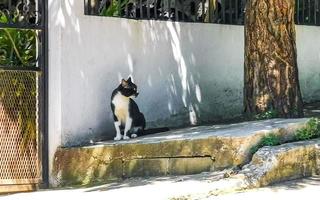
<point>154,131</point>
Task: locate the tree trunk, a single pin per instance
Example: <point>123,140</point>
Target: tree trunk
<point>271,71</point>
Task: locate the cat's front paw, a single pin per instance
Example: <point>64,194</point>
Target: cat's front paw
<point>117,138</point>
<point>134,135</point>
<point>126,137</point>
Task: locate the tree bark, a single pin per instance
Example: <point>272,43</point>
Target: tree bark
<point>271,71</point>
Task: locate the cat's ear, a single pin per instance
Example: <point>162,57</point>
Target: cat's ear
<point>129,80</point>
<point>124,83</point>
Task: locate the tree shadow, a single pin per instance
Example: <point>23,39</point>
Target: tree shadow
<point>296,184</point>
<point>137,182</point>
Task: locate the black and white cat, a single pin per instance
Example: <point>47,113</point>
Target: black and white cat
<point>126,113</point>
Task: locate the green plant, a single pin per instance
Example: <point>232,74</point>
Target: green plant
<point>115,8</point>
<point>17,47</point>
<point>310,131</point>
<point>267,115</point>
<point>267,140</point>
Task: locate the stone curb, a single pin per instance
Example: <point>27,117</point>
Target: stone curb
<point>180,152</point>
<point>270,165</point>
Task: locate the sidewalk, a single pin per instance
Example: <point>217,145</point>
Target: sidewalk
<point>157,188</point>
<point>174,187</point>
<point>297,189</point>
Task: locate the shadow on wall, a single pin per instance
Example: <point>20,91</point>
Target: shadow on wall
<point>182,79</point>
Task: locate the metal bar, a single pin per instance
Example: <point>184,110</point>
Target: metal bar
<point>135,9</point>
<point>309,11</point>
<point>237,11</point>
<point>10,10</point>
<point>86,7</point>
<point>141,11</point>
<point>45,100</point>
<point>315,12</point>
<point>162,9</point>
<point>148,9</point>
<point>155,8</point>
<point>216,14</point>
<point>23,26</point>
<point>223,9</point>
<point>10,5</point>
<point>303,9</point>
<point>203,10</point>
<point>127,11</point>
<point>90,7</point>
<point>96,8</point>
<point>169,10</point>
<point>26,69</point>
<point>230,12</point>
<point>182,11</point>
<point>176,10</point>
<point>243,7</point>
<point>298,12</point>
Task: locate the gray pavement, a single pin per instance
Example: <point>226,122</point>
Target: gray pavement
<point>176,188</point>
<point>307,188</point>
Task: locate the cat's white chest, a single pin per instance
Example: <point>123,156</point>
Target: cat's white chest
<point>121,104</point>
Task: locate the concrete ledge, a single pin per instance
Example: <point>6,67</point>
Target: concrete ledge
<point>268,166</point>
<point>185,151</point>
<point>281,163</point>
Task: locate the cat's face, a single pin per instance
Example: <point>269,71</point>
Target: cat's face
<point>128,88</point>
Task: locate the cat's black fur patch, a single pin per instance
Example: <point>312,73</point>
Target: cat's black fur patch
<point>125,92</point>
<point>123,104</point>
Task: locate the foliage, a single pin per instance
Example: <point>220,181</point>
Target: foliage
<point>267,115</point>
<point>310,131</point>
<point>267,140</point>
<point>17,47</point>
<point>114,9</point>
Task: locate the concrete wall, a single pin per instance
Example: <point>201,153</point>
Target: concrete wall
<point>308,48</point>
<point>186,73</point>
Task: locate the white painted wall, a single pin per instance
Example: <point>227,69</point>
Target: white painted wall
<point>308,48</point>
<point>186,73</point>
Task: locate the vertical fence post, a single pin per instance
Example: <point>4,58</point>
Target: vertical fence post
<point>315,11</point>
<point>155,8</point>
<point>237,11</point>
<point>141,9</point>
<point>86,10</point>
<point>303,11</point>
<point>223,9</point>
<point>126,11</point>
<point>182,10</point>
<point>309,11</point>
<point>148,9</point>
<point>169,10</point>
<point>176,10</point>
<point>231,10</point>
<point>203,10</point>
<point>298,11</point>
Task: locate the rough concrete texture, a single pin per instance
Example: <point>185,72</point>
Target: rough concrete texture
<point>288,161</point>
<point>185,151</point>
<point>268,166</point>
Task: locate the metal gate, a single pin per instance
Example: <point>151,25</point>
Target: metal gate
<point>23,71</point>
